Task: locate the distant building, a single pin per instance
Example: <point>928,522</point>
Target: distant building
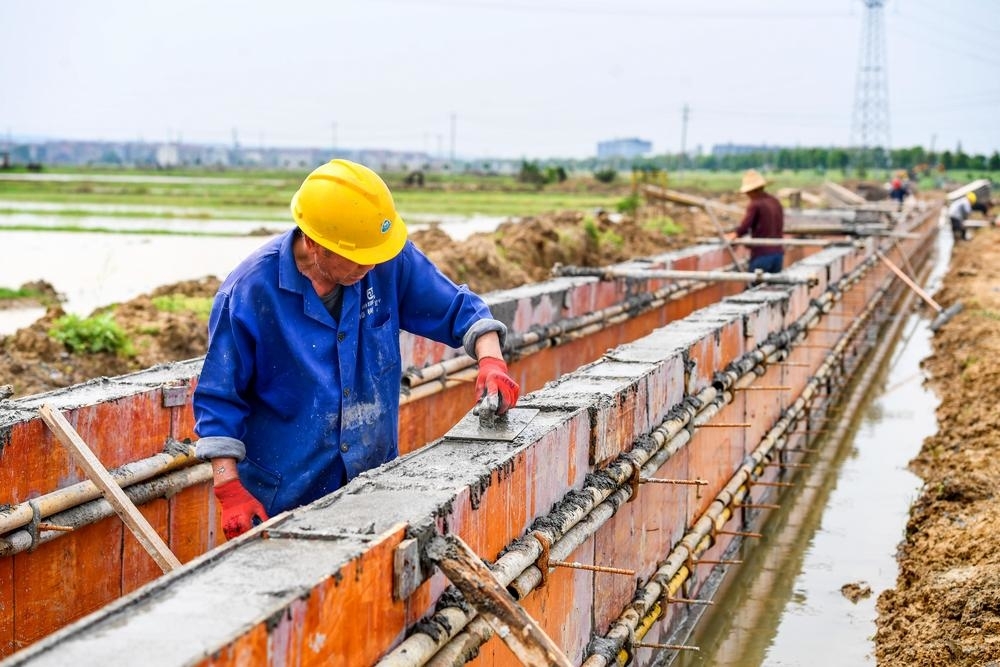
<point>167,155</point>
<point>623,148</point>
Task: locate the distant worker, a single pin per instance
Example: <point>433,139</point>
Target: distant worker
<point>958,212</point>
<point>764,219</point>
<point>899,188</point>
<point>299,391</point>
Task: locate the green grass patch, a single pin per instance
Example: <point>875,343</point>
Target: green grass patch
<point>91,335</point>
<point>610,237</point>
<point>251,201</point>
<point>663,225</point>
<point>180,303</point>
<point>19,293</point>
<point>988,314</point>
<point>629,205</point>
<point>499,204</point>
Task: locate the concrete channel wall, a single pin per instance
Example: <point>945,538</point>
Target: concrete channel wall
<point>345,580</point>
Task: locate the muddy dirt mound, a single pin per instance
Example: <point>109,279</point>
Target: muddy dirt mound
<point>945,609</point>
<point>167,325</point>
<point>517,253</point>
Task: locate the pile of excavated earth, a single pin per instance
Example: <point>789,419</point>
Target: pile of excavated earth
<point>945,609</point>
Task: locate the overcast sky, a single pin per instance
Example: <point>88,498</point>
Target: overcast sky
<point>506,78</point>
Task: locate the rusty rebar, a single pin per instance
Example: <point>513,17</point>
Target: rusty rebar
<point>664,480</point>
<point>591,568</point>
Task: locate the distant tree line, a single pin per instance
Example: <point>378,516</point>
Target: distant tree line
<point>916,159</point>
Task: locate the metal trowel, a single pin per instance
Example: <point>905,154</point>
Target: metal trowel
<point>483,423</point>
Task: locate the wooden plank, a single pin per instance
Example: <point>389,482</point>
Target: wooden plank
<point>121,503</point>
<point>479,587</point>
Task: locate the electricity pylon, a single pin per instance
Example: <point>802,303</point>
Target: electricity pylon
<point>870,122</point>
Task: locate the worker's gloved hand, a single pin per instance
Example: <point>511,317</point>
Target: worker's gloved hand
<point>494,380</point>
<point>239,508</point>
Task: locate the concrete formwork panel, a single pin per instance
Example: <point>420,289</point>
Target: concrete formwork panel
<point>62,581</point>
<point>7,644</point>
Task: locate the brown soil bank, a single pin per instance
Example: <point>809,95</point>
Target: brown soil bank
<point>945,609</point>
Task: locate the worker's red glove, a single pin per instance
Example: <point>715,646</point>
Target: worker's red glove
<point>239,508</point>
<point>495,379</point>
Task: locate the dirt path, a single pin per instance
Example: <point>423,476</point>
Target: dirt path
<point>945,609</point>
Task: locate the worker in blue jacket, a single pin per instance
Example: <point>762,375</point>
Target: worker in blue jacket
<point>299,391</point>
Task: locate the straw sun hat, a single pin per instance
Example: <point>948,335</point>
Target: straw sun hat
<point>752,180</point>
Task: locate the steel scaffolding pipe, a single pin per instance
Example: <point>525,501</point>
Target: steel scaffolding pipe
<point>756,277</point>
<point>540,338</point>
<point>175,455</point>
<point>822,243</point>
<point>96,510</point>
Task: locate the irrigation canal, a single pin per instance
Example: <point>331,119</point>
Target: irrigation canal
<point>840,527</point>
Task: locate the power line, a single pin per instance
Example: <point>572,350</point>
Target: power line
<point>948,13</point>
<point>977,56</point>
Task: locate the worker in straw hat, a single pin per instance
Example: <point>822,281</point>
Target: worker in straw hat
<point>299,390</point>
<point>764,219</point>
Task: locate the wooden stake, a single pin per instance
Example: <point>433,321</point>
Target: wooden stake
<point>123,506</point>
<point>481,590</point>
<point>722,236</point>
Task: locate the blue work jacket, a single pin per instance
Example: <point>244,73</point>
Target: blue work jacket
<point>311,398</point>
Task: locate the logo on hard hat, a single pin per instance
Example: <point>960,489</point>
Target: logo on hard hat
<point>386,224</point>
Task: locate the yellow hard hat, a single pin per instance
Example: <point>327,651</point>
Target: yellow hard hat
<point>972,197</point>
<point>348,209</point>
